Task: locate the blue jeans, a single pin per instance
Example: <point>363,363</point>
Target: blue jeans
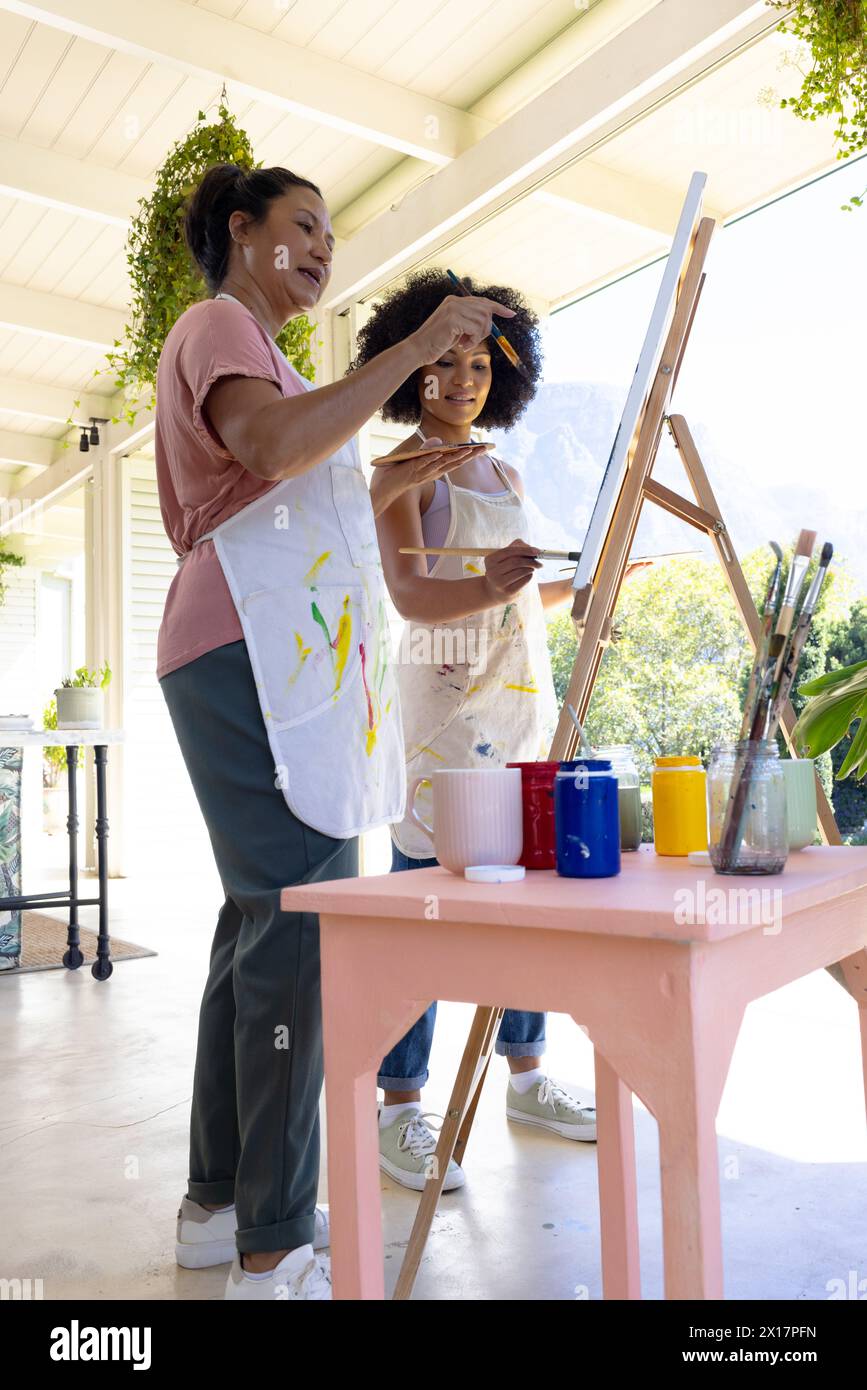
<point>405,1068</point>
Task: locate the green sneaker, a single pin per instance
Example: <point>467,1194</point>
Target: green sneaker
<point>406,1152</point>
<point>548,1106</point>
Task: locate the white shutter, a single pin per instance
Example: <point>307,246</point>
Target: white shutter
<point>164,830</point>
<point>18,633</point>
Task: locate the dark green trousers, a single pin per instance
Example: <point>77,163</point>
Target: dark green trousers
<point>254,1126</point>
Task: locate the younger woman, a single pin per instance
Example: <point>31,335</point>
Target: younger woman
<point>474,674</point>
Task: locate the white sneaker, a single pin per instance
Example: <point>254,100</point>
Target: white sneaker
<point>300,1277</point>
<point>207,1238</point>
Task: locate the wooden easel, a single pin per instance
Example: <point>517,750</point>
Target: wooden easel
<point>592,613</point>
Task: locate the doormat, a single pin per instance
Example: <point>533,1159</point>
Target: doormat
<point>44,943</point>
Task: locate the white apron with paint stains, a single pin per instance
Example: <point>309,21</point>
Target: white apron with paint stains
<point>303,568</point>
<point>490,699</point>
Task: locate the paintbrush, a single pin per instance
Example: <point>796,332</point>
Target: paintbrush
<point>763,645</point>
<point>498,336</point>
<point>482,551</point>
<point>733,827</point>
<point>583,742</point>
<point>792,656</point>
<point>797,570</point>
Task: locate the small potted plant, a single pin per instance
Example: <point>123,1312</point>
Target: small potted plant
<point>80,699</point>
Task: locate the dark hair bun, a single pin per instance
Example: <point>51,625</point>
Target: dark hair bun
<point>227,188</point>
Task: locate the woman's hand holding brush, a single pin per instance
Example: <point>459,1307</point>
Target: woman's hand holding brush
<point>510,569</point>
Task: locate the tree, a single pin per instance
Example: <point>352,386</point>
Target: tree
<point>677,679</point>
<point>670,684</point>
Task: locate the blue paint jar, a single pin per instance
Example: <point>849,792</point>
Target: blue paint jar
<point>587,819</point>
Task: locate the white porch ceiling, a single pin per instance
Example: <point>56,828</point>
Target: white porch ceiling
<point>403,111</point>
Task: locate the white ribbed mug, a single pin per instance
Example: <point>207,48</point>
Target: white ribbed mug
<point>477,813</point>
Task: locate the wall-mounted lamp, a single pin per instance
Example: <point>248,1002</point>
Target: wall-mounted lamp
<point>95,422</point>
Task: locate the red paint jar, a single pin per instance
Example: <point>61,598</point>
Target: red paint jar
<point>537,795</point>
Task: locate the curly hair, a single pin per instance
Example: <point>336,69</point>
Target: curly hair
<point>405,309</point>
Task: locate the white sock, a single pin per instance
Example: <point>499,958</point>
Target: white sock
<point>389,1113</point>
<point>294,1262</point>
<point>524,1081</point>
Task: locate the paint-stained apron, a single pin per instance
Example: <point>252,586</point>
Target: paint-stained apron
<point>303,568</point>
<point>476,691</point>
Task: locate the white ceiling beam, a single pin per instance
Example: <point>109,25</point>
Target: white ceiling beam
<point>122,438</point>
<point>54,403</point>
<point>198,43</point>
<point>75,186</point>
<point>54,316</point>
<point>591,189</point>
<point>643,65</point>
<point>591,30</point>
<point>31,449</point>
<point>68,471</point>
<point>24,504</point>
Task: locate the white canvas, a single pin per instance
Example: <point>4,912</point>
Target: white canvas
<point>639,391</point>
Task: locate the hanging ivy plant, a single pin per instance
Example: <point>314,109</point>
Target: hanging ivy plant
<point>8,560</point>
<point>164,278</point>
<point>835,32</point>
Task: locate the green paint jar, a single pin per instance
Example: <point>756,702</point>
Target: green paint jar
<point>628,792</point>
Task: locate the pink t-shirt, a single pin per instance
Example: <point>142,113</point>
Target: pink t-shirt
<point>200,482</point>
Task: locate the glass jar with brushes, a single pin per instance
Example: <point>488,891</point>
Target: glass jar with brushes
<point>747,808</point>
<point>622,760</point>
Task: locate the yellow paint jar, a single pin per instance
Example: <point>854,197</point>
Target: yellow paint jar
<point>679,805</point>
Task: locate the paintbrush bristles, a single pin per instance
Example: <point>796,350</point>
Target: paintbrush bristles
<point>806,541</point>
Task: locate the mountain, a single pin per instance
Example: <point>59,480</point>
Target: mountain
<point>563,441</point>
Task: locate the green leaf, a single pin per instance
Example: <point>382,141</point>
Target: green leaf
<point>857,753</point>
<point>826,717</point>
<point>831,680</point>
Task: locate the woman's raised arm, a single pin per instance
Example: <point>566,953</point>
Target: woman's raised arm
<point>278,437</point>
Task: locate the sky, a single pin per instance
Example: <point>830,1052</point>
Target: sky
<point>776,366</point>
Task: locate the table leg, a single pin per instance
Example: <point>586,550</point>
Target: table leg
<point>353,1176</point>
<point>102,966</point>
<point>73,956</point>
<point>854,972</point>
<point>618,1196</point>
<point>691,1225</point>
<point>862,1012</point>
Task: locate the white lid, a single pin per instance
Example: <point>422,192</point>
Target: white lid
<point>494,873</point>
<point>698,856</point>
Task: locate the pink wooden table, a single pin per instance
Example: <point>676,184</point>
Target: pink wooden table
<point>661,997</point>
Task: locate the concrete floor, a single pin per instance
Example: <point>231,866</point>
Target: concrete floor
<point>94,1101</point>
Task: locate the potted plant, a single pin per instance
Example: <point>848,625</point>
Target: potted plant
<point>164,279</point>
<point>833,66</point>
<point>833,702</point>
<point>80,700</point>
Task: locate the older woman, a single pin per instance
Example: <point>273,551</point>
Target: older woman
<point>273,662</point>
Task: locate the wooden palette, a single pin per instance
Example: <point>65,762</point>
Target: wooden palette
<point>422,451</point>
